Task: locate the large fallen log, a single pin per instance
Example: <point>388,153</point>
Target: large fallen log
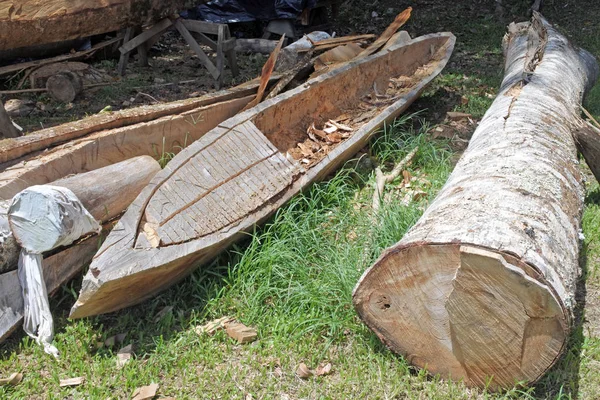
<point>31,22</point>
<point>482,288</point>
<point>104,199</point>
<point>104,192</point>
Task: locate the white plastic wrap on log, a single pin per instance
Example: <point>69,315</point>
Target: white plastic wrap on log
<point>483,285</point>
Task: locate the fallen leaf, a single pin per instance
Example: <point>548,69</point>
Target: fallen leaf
<point>213,326</point>
<point>145,392</point>
<point>164,311</point>
<point>14,379</point>
<point>407,177</point>
<point>335,137</point>
<point>71,381</point>
<point>305,149</point>
<point>323,370</point>
<point>303,371</point>
<point>277,372</point>
<point>418,195</point>
<point>124,355</point>
<point>240,332</point>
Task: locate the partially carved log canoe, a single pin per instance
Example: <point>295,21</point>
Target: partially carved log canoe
<point>26,23</point>
<point>241,172</point>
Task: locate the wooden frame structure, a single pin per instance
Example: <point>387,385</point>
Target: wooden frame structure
<point>193,32</point>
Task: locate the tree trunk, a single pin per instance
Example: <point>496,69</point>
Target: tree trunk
<point>32,22</point>
<point>482,288</point>
<point>105,193</point>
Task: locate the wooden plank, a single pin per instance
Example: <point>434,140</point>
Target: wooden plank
<point>156,29</point>
<point>265,75</point>
<point>124,58</point>
<point>201,26</point>
<point>388,33</point>
<point>194,45</point>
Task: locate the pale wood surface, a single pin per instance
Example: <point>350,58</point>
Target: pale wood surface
<point>483,286</point>
<point>587,138</point>
<point>258,176</point>
<point>33,22</point>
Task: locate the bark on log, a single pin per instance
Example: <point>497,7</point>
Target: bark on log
<point>27,22</point>
<point>105,193</point>
<point>483,286</point>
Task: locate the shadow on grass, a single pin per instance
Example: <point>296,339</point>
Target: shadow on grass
<point>143,323</point>
<point>562,381</point>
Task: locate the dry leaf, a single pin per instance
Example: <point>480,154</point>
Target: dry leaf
<point>145,392</point>
<point>14,379</point>
<point>323,370</point>
<point>334,138</point>
<point>164,311</point>
<point>71,381</point>
<point>407,177</point>
<point>305,149</point>
<point>213,326</point>
<point>124,355</point>
<point>418,195</point>
<point>303,371</point>
<point>240,332</point>
<point>277,372</point>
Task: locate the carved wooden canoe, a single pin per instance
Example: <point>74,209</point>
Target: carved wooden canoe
<point>34,22</point>
<point>242,171</point>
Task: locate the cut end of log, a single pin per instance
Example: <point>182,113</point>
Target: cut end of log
<point>464,312</point>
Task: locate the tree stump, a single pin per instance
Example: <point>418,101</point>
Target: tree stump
<point>482,288</point>
<point>64,86</point>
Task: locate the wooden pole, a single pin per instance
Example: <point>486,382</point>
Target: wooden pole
<point>482,288</point>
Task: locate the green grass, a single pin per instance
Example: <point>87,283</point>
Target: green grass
<point>292,279</point>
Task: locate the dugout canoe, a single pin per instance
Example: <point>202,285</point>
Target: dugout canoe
<point>35,22</point>
<point>241,172</point>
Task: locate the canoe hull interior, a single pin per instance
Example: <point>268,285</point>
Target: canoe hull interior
<point>241,172</point>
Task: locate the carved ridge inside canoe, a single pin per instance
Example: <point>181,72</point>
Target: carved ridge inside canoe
<point>239,173</point>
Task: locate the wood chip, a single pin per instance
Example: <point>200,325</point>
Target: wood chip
<point>211,327</point>
<point>323,370</point>
<point>277,372</point>
<point>340,126</point>
<point>407,177</point>
<point>330,129</point>
<point>335,137</point>
<point>14,379</point>
<point>72,381</point>
<point>240,332</point>
<point>303,371</point>
<point>457,116</point>
<point>145,392</point>
<point>124,355</point>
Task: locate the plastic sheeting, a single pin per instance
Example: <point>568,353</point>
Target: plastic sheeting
<point>230,11</point>
<point>42,218</point>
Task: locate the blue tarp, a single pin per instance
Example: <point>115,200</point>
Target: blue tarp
<point>230,11</point>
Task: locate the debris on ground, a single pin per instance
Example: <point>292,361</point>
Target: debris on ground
<point>303,372</point>
<point>145,392</point>
<point>124,355</point>
<point>71,381</point>
<point>14,379</point>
